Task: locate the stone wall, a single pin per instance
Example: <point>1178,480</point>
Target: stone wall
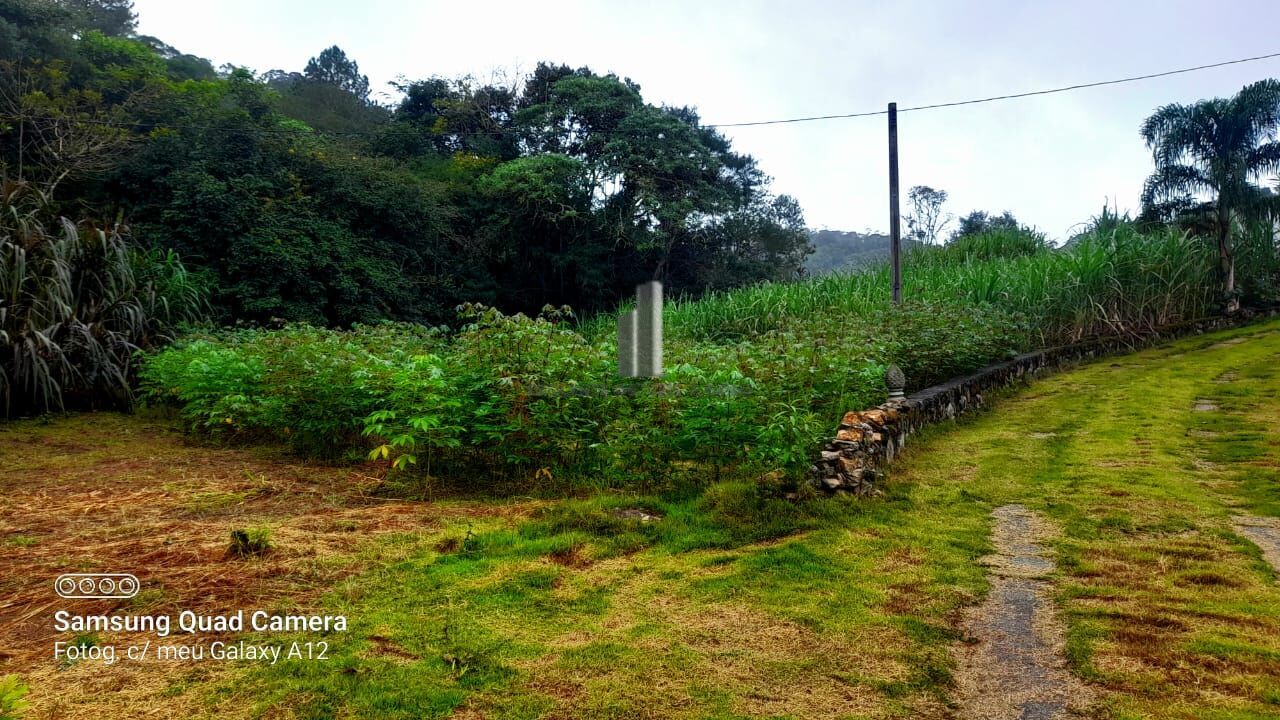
<point>867,441</point>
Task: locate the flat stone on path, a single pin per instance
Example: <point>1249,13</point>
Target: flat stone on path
<point>1014,669</point>
<point>1263,532</point>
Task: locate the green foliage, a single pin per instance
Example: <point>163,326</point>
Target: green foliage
<point>522,397</point>
<point>333,67</point>
<point>251,542</point>
<point>32,28</point>
<point>324,106</point>
<point>303,200</point>
<point>306,231</point>
<point>12,692</point>
<point>1217,149</point>
<point>109,17</point>
<point>979,222</point>
<point>76,303</point>
<point>1121,280</point>
<point>755,379</point>
<point>996,243</point>
<point>305,386</point>
<point>1257,252</point>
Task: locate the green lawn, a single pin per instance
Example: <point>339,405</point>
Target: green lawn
<point>727,604</point>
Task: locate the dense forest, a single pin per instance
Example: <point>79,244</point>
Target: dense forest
<point>292,195</point>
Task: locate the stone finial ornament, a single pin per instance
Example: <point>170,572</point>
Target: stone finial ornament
<point>896,381</point>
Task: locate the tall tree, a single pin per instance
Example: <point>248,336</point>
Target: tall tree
<point>332,66</point>
<point>33,30</point>
<point>114,18</point>
<point>52,132</point>
<point>926,221</point>
<point>655,172</point>
<point>324,106</point>
<point>1218,148</point>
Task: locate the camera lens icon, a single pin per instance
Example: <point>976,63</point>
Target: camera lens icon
<point>66,586</point>
<point>96,586</point>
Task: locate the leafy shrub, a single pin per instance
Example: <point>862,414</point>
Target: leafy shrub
<point>305,386</point>
<point>76,303</point>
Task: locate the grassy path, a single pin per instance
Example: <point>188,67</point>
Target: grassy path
<point>727,604</point>
<point>1012,664</point>
<point>1142,461</point>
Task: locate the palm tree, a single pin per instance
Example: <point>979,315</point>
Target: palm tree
<point>1217,147</point>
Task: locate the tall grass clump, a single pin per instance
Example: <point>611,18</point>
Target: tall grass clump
<point>1110,279</point>
<point>76,303</point>
<point>996,244</point>
<point>1258,262</point>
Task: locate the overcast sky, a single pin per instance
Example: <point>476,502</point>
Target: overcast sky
<point>1052,160</point>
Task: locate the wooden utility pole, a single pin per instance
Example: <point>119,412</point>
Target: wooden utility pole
<point>895,230</point>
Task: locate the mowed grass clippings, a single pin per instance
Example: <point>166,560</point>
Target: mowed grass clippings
<point>103,492</point>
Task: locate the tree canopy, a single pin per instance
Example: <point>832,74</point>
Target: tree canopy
<point>333,67</point>
<point>296,195</point>
<point>926,221</point>
<point>979,222</point>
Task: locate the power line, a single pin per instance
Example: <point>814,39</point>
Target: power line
<point>993,98</point>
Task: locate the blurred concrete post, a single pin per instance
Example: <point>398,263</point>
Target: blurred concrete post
<point>649,329</point>
<point>627,344</point>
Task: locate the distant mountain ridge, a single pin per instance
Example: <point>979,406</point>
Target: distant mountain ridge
<point>837,250</point>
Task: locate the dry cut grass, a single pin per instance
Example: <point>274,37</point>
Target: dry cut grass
<point>110,493</point>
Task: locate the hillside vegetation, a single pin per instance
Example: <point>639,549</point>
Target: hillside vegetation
<point>756,377</point>
<point>298,197</point>
<point>295,196</point>
<point>834,250</point>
